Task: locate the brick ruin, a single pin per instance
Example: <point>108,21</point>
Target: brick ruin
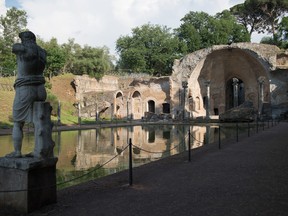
<point>204,83</point>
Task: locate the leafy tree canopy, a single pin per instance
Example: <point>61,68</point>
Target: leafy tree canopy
<point>201,30</point>
<point>261,15</point>
<point>281,38</point>
<point>150,49</point>
<point>68,57</point>
<point>92,61</point>
<point>11,25</point>
<point>55,57</point>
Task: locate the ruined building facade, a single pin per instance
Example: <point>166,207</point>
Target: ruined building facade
<point>204,83</point>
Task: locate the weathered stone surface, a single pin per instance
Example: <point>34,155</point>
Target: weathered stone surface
<point>126,96</point>
<point>27,184</point>
<point>44,144</point>
<point>245,61</point>
<point>27,163</point>
<point>243,113</point>
<point>29,85</point>
<point>149,116</point>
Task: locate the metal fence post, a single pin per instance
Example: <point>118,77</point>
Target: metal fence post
<point>237,132</point>
<point>189,145</point>
<point>219,138</point>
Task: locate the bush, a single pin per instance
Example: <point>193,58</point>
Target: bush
<point>53,100</point>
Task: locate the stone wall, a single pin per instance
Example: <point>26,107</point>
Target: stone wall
<point>84,84</point>
<point>247,62</point>
<point>134,95</point>
<point>121,97</point>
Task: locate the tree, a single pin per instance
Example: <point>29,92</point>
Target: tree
<point>261,15</point>
<point>70,48</point>
<point>283,32</point>
<point>70,57</point>
<point>281,39</point>
<point>249,15</point>
<point>55,57</point>
<point>229,30</point>
<point>201,30</point>
<point>14,22</point>
<point>151,49</point>
<point>273,11</point>
<point>92,61</point>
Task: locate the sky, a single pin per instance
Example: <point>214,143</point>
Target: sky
<point>99,23</point>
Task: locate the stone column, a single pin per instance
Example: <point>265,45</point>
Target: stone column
<point>185,86</point>
<point>112,111</point>
<point>235,92</point>
<point>127,106</point>
<point>207,84</point>
<point>96,112</point>
<point>261,81</point>
<point>79,113</point>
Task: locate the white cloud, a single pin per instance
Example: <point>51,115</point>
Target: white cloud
<point>2,7</point>
<point>102,22</point>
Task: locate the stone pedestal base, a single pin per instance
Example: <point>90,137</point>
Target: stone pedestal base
<point>27,184</point>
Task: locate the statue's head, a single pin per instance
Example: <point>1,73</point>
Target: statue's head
<point>27,36</point>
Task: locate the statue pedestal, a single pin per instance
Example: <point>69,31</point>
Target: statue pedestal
<point>32,180</point>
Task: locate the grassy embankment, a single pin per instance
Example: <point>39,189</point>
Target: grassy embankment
<point>58,88</point>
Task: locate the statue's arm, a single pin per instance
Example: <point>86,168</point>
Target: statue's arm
<point>18,48</point>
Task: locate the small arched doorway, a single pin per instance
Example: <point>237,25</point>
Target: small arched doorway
<point>151,106</point>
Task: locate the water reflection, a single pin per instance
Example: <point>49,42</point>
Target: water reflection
<point>79,151</point>
<point>99,145</point>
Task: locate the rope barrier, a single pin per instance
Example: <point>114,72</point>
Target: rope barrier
<point>70,180</point>
<point>96,168</point>
<point>197,140</point>
<point>100,166</point>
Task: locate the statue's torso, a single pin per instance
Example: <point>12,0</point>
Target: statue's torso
<point>30,61</point>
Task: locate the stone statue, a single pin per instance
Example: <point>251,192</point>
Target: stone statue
<point>29,87</point>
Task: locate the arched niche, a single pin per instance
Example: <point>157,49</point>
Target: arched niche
<point>136,102</point>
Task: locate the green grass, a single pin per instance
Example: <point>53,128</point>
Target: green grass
<point>61,83</point>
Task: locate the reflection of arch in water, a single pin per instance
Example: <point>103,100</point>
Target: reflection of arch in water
<point>118,105</point>
<point>136,103</point>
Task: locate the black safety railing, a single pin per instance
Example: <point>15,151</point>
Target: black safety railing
<point>130,145</point>
<point>67,181</point>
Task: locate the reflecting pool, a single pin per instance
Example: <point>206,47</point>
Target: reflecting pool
<point>104,151</point>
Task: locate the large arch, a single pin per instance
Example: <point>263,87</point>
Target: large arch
<point>221,68</point>
<point>219,65</point>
